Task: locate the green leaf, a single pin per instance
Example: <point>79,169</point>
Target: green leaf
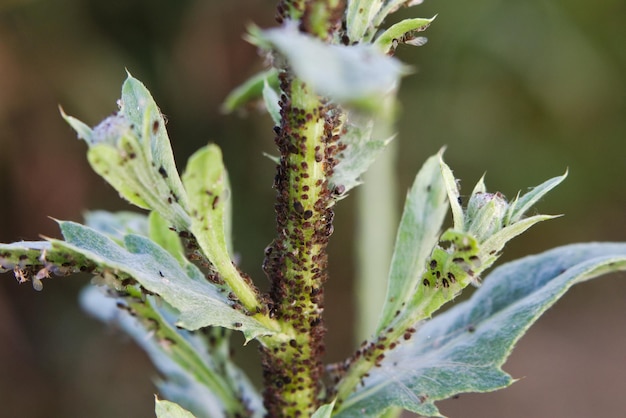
<point>454,196</point>
<point>491,248</point>
<point>206,182</point>
<point>250,90</point>
<point>121,173</point>
<point>270,98</point>
<point>392,6</point>
<point>199,302</point>
<point>357,75</point>
<point>131,150</point>
<point>463,349</point>
<point>83,131</point>
<point>418,233</point>
<point>167,409</point>
<point>359,17</point>
<point>324,411</point>
<point>403,32</point>
<point>161,233</point>
<point>140,108</point>
<point>519,206</point>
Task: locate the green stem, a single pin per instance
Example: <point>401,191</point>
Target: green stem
<point>425,302</point>
<point>296,260</point>
<point>376,224</point>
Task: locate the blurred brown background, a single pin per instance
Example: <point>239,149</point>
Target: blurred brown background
<point>520,89</point>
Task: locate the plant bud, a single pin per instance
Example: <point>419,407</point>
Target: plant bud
<point>485,214</point>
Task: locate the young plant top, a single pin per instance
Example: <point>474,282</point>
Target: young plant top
<point>168,278</point>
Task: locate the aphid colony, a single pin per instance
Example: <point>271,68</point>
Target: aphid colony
<point>453,263</point>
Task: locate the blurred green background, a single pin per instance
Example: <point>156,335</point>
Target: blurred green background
<point>522,90</point>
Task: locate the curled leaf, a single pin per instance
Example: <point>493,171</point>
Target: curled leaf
<point>132,151</point>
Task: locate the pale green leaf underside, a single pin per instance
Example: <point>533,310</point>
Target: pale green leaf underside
<point>207,185</point>
<point>418,233</point>
<point>206,182</point>
<point>167,409</point>
<point>463,349</point>
<point>199,302</point>
<point>357,75</point>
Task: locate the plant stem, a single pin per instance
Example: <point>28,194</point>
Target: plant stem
<point>401,329</point>
<point>377,222</point>
<point>296,260</point>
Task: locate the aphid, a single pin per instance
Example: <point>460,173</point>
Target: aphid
<point>339,190</point>
<point>19,275</point>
